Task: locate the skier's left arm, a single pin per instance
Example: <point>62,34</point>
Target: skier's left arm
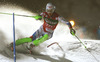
<point>72,31</point>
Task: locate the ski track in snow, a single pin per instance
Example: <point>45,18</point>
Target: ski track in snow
<point>25,27</point>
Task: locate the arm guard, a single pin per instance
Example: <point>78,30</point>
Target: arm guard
<point>38,17</point>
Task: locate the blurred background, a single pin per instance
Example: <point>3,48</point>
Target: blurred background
<point>85,13</point>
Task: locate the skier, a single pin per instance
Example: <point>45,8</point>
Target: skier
<point>45,32</point>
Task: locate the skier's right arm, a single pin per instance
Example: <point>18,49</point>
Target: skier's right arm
<point>38,17</point>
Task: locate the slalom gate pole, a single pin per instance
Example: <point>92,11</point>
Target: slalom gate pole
<point>56,44</point>
<point>87,48</point>
<point>14,45</point>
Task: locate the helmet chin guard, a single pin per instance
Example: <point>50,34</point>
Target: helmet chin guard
<point>50,8</point>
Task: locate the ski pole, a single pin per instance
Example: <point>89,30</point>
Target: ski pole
<point>16,14</point>
<point>80,41</point>
<point>87,49</point>
<point>14,39</point>
<point>38,17</point>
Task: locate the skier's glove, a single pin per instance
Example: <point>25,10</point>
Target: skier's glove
<point>72,31</point>
<point>38,17</point>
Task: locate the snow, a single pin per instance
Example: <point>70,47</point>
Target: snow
<point>25,27</point>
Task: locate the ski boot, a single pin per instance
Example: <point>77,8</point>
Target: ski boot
<point>29,48</point>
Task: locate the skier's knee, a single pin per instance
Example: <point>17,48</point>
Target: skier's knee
<point>40,40</point>
<point>49,36</point>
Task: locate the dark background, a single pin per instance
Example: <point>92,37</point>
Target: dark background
<point>86,13</point>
